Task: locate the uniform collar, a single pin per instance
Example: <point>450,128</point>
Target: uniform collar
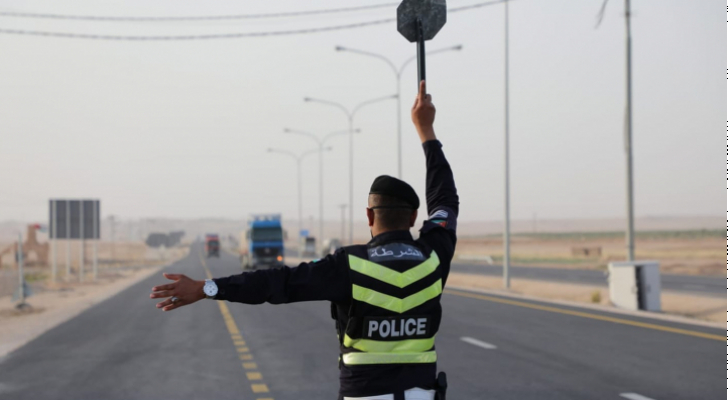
<point>390,236</point>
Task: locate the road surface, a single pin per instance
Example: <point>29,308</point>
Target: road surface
<point>491,347</point>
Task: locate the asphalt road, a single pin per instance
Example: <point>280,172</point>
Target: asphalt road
<point>491,348</point>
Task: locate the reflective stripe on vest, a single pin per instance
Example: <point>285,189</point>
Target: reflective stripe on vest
<point>394,304</point>
<point>389,358</point>
<point>392,277</point>
<point>399,346</point>
<point>406,351</point>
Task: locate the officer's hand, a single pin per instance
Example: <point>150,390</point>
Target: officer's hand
<point>185,290</point>
<point>423,114</point>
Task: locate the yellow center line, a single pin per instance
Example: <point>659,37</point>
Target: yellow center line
<point>590,315</point>
<point>259,388</point>
<point>239,343</point>
<point>254,376</point>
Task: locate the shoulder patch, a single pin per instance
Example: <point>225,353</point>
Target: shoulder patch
<point>439,214</point>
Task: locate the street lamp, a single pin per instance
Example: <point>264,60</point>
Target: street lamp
<point>507,189</point>
<point>320,142</point>
<point>350,116</point>
<point>298,159</point>
<point>398,75</point>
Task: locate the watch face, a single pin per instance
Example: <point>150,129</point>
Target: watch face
<point>210,289</point>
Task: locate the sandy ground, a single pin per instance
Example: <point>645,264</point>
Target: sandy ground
<point>696,307</point>
<point>678,254</point>
<point>53,304</point>
<point>111,256</point>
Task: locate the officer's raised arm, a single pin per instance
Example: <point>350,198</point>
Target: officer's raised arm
<point>441,194</point>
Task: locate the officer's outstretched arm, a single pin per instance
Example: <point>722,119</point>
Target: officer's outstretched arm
<point>441,194</point>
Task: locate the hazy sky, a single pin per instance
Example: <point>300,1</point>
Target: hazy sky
<point>180,129</point>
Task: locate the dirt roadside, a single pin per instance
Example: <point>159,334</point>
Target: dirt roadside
<point>60,303</point>
<point>700,308</point>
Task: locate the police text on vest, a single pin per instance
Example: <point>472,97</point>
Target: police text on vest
<point>400,327</point>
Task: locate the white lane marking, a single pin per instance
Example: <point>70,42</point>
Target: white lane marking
<point>476,342</point>
<point>634,396</point>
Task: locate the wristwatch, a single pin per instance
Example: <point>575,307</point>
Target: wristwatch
<point>210,289</point>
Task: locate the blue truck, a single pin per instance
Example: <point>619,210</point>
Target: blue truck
<point>262,244</point>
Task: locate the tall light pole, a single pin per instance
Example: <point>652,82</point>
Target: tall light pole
<point>320,142</point>
<point>627,124</point>
<point>507,224</point>
<point>628,136</point>
<point>298,159</point>
<point>398,76</point>
<point>343,209</point>
<point>350,116</point>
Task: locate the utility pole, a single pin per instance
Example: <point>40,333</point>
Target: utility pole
<point>343,219</point>
<point>83,244</point>
<point>68,240</point>
<point>627,124</point>
<point>54,235</point>
<point>112,225</point>
<point>628,137</point>
<point>21,287</point>
<point>507,225</point>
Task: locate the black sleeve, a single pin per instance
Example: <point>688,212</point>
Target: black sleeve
<point>438,230</point>
<point>442,196</point>
<point>325,279</point>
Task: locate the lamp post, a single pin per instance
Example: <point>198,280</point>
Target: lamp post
<point>320,142</point>
<point>350,116</point>
<point>628,135</point>
<point>21,284</point>
<point>507,219</point>
<point>627,123</point>
<point>398,75</point>
<point>298,159</point>
<point>343,209</point>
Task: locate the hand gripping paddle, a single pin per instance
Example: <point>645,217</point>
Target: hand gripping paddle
<point>420,20</point>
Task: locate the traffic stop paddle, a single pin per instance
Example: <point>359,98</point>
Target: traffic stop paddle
<point>420,20</point>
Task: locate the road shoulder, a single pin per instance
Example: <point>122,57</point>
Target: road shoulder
<point>53,307</point>
<point>594,307</point>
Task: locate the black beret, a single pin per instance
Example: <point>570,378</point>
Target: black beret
<point>396,188</point>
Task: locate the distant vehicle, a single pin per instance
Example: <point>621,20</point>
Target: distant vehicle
<point>308,246</point>
<point>212,245</point>
<point>263,244</point>
<point>330,246</point>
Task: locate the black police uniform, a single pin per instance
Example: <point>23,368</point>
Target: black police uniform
<point>385,295</point>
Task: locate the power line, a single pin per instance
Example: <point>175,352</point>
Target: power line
<point>193,18</point>
<point>194,37</point>
<point>237,35</point>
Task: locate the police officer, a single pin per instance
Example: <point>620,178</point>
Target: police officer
<point>385,295</point>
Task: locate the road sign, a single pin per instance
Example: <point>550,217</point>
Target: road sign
<point>74,219</point>
<point>418,21</point>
